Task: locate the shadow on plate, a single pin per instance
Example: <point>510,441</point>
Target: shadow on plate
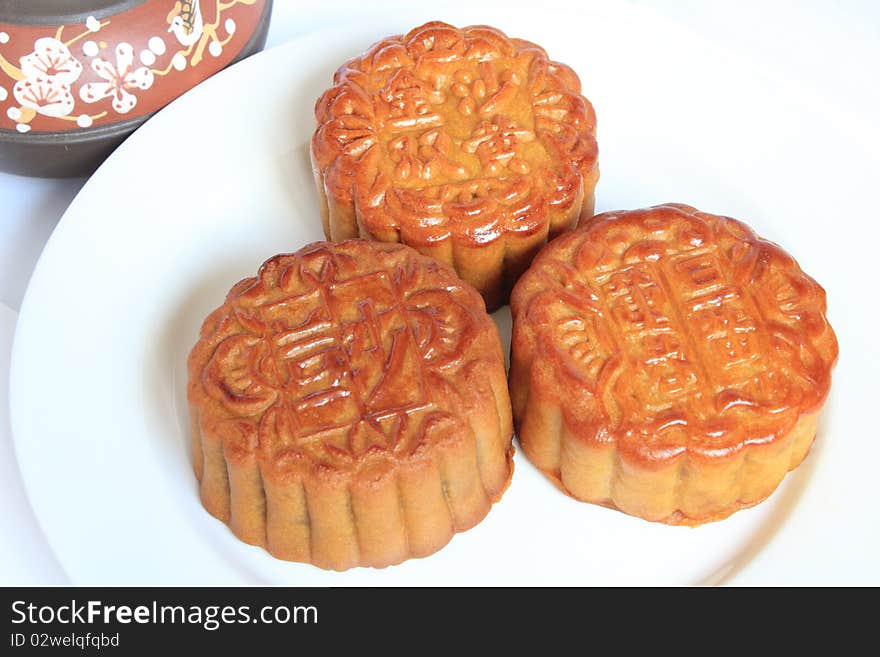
<point>784,499</point>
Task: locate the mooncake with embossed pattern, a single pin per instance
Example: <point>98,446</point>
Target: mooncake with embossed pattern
<point>349,406</point>
<point>467,145</point>
<point>669,363</point>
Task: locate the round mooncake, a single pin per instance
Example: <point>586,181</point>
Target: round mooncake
<point>349,406</point>
<point>668,363</point>
<point>467,145</point>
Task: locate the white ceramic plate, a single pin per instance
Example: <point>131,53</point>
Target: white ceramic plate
<point>219,181</point>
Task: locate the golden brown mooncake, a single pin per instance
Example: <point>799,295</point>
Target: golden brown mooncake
<point>669,363</point>
<point>349,406</point>
<point>467,145</point>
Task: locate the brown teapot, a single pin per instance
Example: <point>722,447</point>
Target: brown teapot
<point>78,76</point>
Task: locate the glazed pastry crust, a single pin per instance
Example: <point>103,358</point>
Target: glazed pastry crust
<point>349,407</point>
<point>668,363</point>
<point>467,145</point>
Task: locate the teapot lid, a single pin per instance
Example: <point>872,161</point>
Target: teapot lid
<point>57,12</point>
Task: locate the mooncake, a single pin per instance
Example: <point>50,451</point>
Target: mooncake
<point>469,146</point>
<point>349,406</point>
<point>668,363</point>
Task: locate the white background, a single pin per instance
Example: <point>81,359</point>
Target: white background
<point>826,51</point>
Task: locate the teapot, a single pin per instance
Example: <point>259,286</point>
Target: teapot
<point>79,76</point>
